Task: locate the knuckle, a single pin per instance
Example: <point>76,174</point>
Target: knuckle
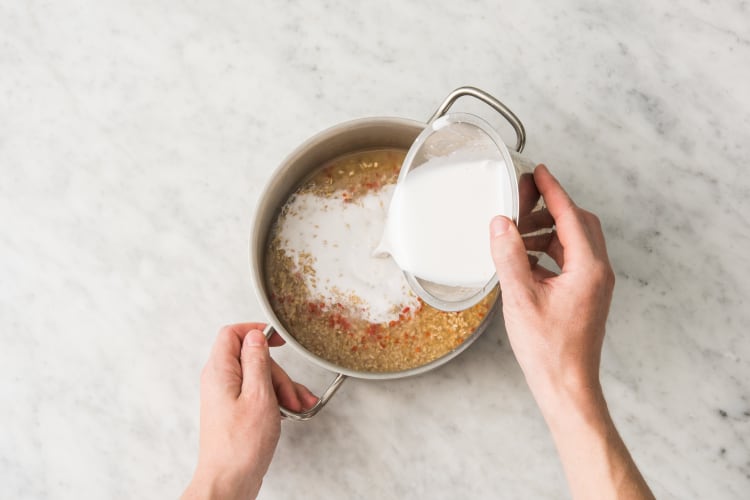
<point>609,279</point>
<point>603,275</point>
<point>572,212</point>
<point>256,359</point>
<point>260,358</point>
<point>591,218</point>
<point>594,220</point>
<point>226,335</point>
<point>225,331</point>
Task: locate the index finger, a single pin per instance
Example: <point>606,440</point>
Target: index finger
<point>568,222</point>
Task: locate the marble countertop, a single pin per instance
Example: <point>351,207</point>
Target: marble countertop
<point>135,138</point>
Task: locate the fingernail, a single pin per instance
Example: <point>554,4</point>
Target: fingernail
<point>499,225</point>
<point>255,338</point>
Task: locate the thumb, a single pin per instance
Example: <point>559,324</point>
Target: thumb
<point>509,255</point>
<point>256,365</point>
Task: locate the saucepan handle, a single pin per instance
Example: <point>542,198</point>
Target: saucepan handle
<point>327,394</point>
<point>486,98</point>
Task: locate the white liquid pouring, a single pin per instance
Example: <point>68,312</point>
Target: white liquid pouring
<point>438,221</point>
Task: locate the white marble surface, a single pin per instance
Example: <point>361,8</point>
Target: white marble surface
<point>135,137</point>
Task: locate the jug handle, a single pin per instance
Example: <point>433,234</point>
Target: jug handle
<point>491,101</point>
<point>327,394</point>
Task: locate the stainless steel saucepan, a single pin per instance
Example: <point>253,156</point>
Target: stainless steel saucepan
<point>349,137</point>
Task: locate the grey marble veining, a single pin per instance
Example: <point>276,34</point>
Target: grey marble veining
<point>135,138</point>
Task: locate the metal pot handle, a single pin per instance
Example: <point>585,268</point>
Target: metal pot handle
<point>498,106</point>
<point>327,394</point>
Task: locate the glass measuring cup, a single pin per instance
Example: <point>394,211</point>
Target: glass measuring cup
<point>454,137</point>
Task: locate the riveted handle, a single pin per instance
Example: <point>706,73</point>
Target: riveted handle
<point>327,394</point>
<point>486,98</point>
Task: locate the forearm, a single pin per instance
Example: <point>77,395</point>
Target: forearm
<point>596,462</point>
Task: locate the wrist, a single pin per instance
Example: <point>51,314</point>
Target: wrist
<point>567,399</point>
<point>584,409</point>
<point>207,484</point>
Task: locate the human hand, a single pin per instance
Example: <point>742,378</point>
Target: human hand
<point>555,323</point>
<point>241,389</point>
